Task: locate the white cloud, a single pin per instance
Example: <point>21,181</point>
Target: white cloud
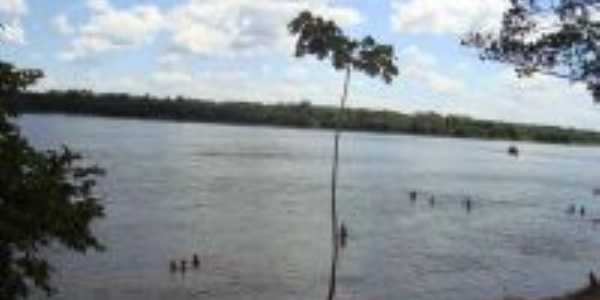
<point>297,72</point>
<point>62,25</point>
<point>221,85</point>
<point>443,84</point>
<point>13,33</point>
<point>11,13</point>
<point>244,27</point>
<point>540,90</point>
<point>111,29</point>
<point>99,6</point>
<point>501,95</point>
<point>415,56</point>
<point>170,59</point>
<point>13,7</point>
<point>421,68</point>
<point>491,93</point>
<point>206,28</point>
<point>169,78</point>
<point>128,27</point>
<point>446,17</point>
<point>86,46</point>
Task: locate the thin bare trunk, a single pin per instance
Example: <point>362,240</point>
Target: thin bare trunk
<point>334,173</point>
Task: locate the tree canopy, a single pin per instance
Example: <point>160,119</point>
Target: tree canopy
<point>46,199</point>
<point>325,40</point>
<point>559,38</point>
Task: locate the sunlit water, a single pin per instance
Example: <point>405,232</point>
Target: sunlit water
<point>253,202</point>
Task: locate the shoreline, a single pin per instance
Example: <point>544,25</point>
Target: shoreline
<point>591,291</point>
<point>325,129</point>
<point>298,115</point>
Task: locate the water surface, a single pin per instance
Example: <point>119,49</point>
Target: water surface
<point>253,202</point>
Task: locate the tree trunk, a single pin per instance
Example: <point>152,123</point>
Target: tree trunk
<point>334,172</point>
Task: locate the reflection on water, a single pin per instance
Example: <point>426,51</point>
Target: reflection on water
<point>254,204</point>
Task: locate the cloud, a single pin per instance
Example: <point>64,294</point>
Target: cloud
<point>85,46</point>
<point>421,68</point>
<point>13,7</point>
<point>244,27</point>
<point>541,90</point>
<point>502,95</point>
<point>204,28</point>
<point>297,72</point>
<point>446,17</point>
<point>170,59</point>
<point>415,56</point>
<point>499,95</point>
<point>61,24</point>
<point>11,12</point>
<point>169,78</point>
<point>99,6</point>
<point>110,29</point>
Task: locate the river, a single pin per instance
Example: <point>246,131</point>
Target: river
<point>253,202</point>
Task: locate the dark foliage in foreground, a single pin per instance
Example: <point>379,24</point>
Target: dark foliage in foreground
<point>46,199</point>
<point>559,38</point>
<point>302,115</point>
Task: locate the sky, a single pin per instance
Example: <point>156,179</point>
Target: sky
<point>240,50</point>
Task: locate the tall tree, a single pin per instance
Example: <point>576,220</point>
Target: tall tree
<point>325,40</point>
<point>559,38</point>
<point>46,198</point>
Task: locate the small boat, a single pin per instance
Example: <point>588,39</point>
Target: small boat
<point>513,150</point>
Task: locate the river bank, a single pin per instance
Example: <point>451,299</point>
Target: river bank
<point>589,292</point>
<point>297,115</point>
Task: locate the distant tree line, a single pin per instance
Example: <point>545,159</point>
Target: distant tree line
<point>302,115</point>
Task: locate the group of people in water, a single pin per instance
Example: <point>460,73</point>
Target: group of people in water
<point>174,266</point>
<point>467,201</point>
<point>572,209</point>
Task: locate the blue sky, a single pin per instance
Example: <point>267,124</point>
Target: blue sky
<point>239,50</point>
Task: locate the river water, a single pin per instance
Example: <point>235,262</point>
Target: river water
<point>253,202</point>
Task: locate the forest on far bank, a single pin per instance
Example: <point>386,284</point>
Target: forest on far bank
<point>301,115</point>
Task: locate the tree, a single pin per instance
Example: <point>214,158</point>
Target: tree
<point>558,38</point>
<point>326,41</point>
<point>46,198</point>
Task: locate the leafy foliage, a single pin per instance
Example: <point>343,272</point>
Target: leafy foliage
<point>11,80</point>
<point>559,38</point>
<point>302,115</point>
<point>46,198</point>
<point>325,40</point>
